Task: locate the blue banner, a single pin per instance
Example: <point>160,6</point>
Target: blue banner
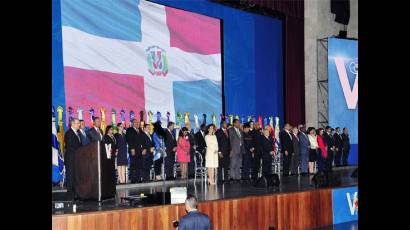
<point>343,89</point>
<point>345,204</point>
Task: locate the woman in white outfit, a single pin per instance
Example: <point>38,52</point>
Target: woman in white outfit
<point>211,155</point>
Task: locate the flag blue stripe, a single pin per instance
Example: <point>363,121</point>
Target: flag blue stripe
<point>198,97</point>
<point>110,19</point>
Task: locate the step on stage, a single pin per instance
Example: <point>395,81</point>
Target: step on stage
<point>295,204</point>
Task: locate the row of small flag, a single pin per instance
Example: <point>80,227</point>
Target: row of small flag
<point>179,117</point>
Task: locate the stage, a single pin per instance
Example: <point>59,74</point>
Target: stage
<point>295,204</point>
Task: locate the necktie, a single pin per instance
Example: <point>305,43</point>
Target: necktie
<point>78,136</point>
<point>226,133</point>
<point>237,131</point>
<point>99,132</point>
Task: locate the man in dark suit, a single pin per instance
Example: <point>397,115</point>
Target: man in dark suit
<point>304,149</point>
<point>249,145</point>
<point>148,147</point>
<point>330,141</point>
<point>132,136</point>
<point>339,147</point>
<point>192,148</point>
<point>237,150</point>
<point>72,142</point>
<point>200,141</point>
<point>194,220</point>
<point>256,133</point>
<point>170,148</point>
<point>346,145</point>
<point>222,137</point>
<point>286,148</point>
<point>83,135</point>
<point>266,151</point>
<point>95,133</point>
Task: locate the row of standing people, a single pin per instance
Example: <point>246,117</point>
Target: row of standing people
<point>304,149</point>
<point>234,151</point>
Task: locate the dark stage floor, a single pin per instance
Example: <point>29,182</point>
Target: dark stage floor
<point>205,192</point>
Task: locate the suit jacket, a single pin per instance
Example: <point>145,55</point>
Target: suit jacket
<point>235,141</point>
<point>248,142</point>
<point>223,141</point>
<point>147,143</point>
<point>346,142</point>
<point>256,138</point>
<point>200,141</point>
<point>304,141</point>
<point>296,143</point>
<point>93,135</point>
<point>266,146</point>
<point>194,220</point>
<point>330,142</point>
<point>170,142</point>
<point>338,141</point>
<point>192,142</point>
<point>133,139</point>
<point>285,142</point>
<point>84,138</point>
<point>72,143</point>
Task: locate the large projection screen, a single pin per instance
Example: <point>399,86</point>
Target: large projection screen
<point>138,55</point>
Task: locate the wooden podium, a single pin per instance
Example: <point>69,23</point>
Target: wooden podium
<point>94,173</point>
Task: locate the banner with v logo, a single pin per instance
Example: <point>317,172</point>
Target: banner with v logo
<point>343,91</point>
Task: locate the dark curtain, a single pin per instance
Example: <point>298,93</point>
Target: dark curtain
<point>294,56</point>
<point>294,71</point>
<point>294,8</point>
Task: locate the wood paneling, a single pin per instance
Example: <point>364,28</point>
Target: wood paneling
<point>294,211</point>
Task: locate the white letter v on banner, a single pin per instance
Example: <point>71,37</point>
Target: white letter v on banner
<point>351,96</point>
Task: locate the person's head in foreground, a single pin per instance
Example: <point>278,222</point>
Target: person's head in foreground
<point>191,203</point>
<point>194,219</point>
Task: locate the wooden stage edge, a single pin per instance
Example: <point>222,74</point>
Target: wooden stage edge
<point>297,210</point>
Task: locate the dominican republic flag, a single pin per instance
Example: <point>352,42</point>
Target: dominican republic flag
<point>137,55</point>
<point>58,164</point>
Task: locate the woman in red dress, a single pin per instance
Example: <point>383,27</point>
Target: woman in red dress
<point>183,147</point>
<point>322,150</point>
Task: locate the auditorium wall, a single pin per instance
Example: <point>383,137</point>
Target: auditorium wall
<point>319,23</point>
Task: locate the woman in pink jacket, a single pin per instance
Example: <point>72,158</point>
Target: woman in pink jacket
<point>322,150</point>
<point>183,147</point>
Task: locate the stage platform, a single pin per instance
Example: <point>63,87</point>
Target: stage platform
<point>295,204</point>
